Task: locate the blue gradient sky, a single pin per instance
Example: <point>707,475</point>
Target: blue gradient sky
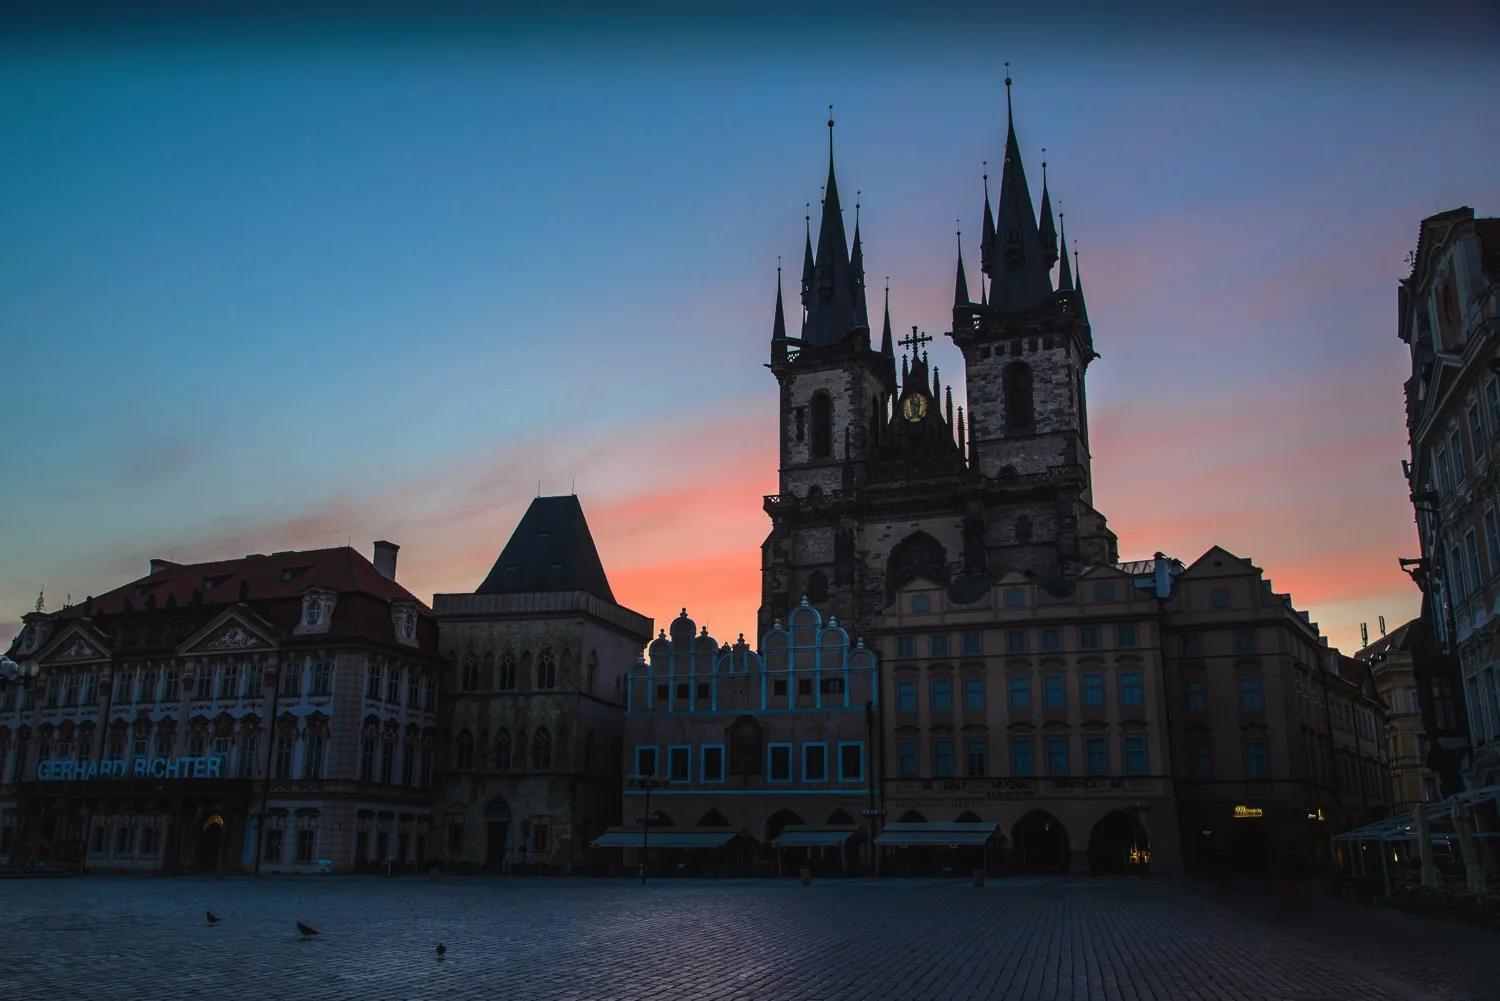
<point>263,290</point>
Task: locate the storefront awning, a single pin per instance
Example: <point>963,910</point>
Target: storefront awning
<point>664,839</point>
<point>901,835</point>
<point>811,839</point>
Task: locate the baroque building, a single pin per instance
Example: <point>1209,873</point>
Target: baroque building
<point>1390,662</point>
<point>880,480</point>
<point>534,707</point>
<point>271,713</point>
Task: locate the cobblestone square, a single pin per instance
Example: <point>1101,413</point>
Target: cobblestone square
<point>108,937</point>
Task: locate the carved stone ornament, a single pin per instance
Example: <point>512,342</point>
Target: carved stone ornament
<point>235,638</point>
<point>78,650</point>
<point>404,618</point>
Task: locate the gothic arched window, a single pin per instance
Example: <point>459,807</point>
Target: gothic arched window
<point>502,750</point>
<point>822,426</point>
<point>817,587</point>
<point>1018,403</point>
<point>507,679</point>
<point>541,750</point>
<point>593,676</point>
<point>470,680</point>
<point>546,670</point>
<point>463,752</point>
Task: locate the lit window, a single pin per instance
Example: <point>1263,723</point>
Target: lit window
<point>942,695</point>
<point>1130,689</point>
<point>1093,690</point>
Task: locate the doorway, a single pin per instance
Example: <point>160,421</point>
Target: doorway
<point>496,838</point>
<point>210,843</point>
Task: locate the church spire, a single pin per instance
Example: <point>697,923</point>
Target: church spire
<point>831,306</point>
<point>857,273</point>
<point>1083,310</point>
<point>1046,230</point>
<point>1065,274</point>
<point>961,284</point>
<point>1020,279</point>
<point>987,235</point>
<point>807,258</point>
<point>886,347</point>
<point>778,326</point>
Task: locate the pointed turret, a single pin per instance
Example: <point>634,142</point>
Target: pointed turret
<point>1045,229</point>
<point>937,382</point>
<point>857,273</point>
<point>961,431</point>
<point>961,298</point>
<point>887,348</point>
<point>987,236</point>
<point>948,405</point>
<point>831,307</point>
<point>1083,310</point>
<point>1065,274</point>
<point>807,261</point>
<point>1020,275</point>
<point>778,326</point>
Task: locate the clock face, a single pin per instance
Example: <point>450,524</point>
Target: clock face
<point>914,407</point>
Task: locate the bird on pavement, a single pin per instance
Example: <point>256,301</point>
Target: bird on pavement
<point>213,918</point>
<point>307,930</point>
<point>442,950</point>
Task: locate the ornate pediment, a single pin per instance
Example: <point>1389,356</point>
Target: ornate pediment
<point>404,622</point>
<point>75,644</point>
<point>232,632</point>
<point>78,649</point>
<point>235,637</point>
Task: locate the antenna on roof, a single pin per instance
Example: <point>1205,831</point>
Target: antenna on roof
<point>1364,634</point>
<point>574,487</point>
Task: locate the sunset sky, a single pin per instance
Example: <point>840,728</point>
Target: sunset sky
<point>269,286</point>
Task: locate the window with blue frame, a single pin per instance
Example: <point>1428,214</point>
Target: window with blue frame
<point>1104,592</point>
<point>645,760</point>
<point>814,762</point>
<point>906,646</point>
<point>1020,758</point>
<point>1096,755</point>
<point>974,758</point>
<point>1135,756</point>
<point>1201,761</point>
<point>1247,641</point>
<point>1197,697</point>
<point>937,646</point>
<point>906,758</point>
<point>713,763</point>
<point>906,696</point>
<point>1093,690</point>
<point>1127,637</point>
<point>942,758</point>
<point>680,763</point>
<point>921,603</point>
<point>1257,760</point>
<point>974,694</point>
<point>1051,640</point>
<point>851,762</point>
<point>1057,756</point>
<point>1088,637</point>
<point>942,695</point>
<point>1250,700</point>
<point>1130,689</point>
<point>973,644</point>
<point>1014,597</point>
<point>779,762</point>
<point>1016,641</point>
<point>1020,693</point>
<point>1054,696</point>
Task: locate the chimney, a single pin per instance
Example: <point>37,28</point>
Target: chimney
<point>1163,576</point>
<point>385,559</point>
<point>158,565</point>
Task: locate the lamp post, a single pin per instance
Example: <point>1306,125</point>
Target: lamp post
<point>646,783</point>
<point>871,813</point>
<point>1139,810</point>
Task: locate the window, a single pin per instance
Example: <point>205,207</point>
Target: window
<point>851,762</point>
<point>1218,597</point>
<point>273,850</point>
<point>1201,761</point>
<point>1053,694</point>
<point>506,682</point>
<point>974,758</point>
<point>1096,755</point>
<point>291,678</point>
<point>1015,641</point>
<point>1197,697</point>
<point>1057,756</point>
<point>1476,431</point>
<point>1135,756</point>
<point>1088,637</point>
<point>645,761</point>
<point>1492,402</point>
<point>541,837</point>
<point>1093,690</point>
<point>804,687</point>
<point>1192,644</point>
<point>1018,396</point>
<point>1444,477</point>
<point>1476,574</point>
<point>679,762</point>
<point>503,750</point>
<point>247,756</point>
<point>456,837</point>
<point>1130,689</point>
<point>1104,592</point>
<point>1020,758</point>
<point>830,686</point>
<point>1456,450</point>
<point>906,696</point>
<point>906,646</point>
<point>281,764</point>
<point>393,686</point>
<point>413,689</point>
<point>974,694</point>
<point>814,762</point>
<point>821,413</point>
<point>1051,640</point>
<point>409,763</point>
<point>942,759</point>
<point>546,669</point>
<point>1257,761</point>
<point>713,763</point>
<point>387,761</point>
<point>906,758</point>
<point>541,750</point>
<point>1492,540</point>
<point>780,762</point>
<point>1250,700</point>
<point>942,695</point>
<point>937,646</point>
<point>1020,693</point>
<point>1126,636</point>
<point>1246,641</point>
<point>307,841</point>
<point>322,677</point>
<point>70,692</point>
<point>229,682</point>
<point>973,644</point>
<point>1015,597</point>
<point>312,761</point>
<point>921,603</point>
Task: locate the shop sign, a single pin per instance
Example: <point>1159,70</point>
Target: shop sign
<point>1248,812</point>
<point>209,766</point>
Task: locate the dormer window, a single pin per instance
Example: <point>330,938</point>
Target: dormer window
<point>314,612</point>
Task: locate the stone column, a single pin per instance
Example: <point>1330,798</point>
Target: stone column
<point>1424,846</point>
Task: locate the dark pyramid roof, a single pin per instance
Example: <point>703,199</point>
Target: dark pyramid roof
<point>550,550</point>
<point>830,309</point>
<point>778,325</point>
<point>1021,275</point>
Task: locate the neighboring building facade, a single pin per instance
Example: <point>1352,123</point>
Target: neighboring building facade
<point>272,713</point>
<point>1036,707</point>
<point>1390,662</point>
<point>881,482</point>
<point>1450,319</point>
<point>772,747</point>
<point>533,712</point>
<point>1276,743</point>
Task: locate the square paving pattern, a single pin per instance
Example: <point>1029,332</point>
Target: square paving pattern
<point>536,940</point>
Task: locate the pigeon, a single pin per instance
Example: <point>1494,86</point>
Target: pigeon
<point>442,950</point>
<point>306,930</point>
<point>213,918</point>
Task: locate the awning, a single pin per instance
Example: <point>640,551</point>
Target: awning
<point>900,835</point>
<point>664,839</point>
<point>811,839</point>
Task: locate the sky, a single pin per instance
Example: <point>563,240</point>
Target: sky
<point>283,281</point>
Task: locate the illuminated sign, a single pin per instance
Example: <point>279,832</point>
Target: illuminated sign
<point>1247,812</point>
<point>202,767</point>
<point>1315,814</point>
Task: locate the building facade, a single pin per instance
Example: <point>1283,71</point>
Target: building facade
<point>534,709</point>
<point>1450,320</point>
<point>881,482</point>
<point>273,713</point>
<point>1390,662</point>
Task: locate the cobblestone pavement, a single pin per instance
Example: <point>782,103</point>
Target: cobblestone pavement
<point>549,940</point>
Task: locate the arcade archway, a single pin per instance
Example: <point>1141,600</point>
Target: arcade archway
<point>1117,844</point>
<point>1041,844</point>
<point>496,833</point>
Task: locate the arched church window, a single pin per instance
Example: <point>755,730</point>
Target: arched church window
<point>593,671</point>
<point>822,426</point>
<point>471,671</point>
<point>1018,403</point>
<point>546,670</point>
<point>502,750</point>
<point>506,682</point>
<point>463,752</point>
<point>541,750</point>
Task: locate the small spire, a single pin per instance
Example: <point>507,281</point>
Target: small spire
<point>1007,90</point>
<point>1083,310</point>
<point>1065,273</point>
<point>961,298</point>
<point>807,255</point>
<point>1046,230</point>
<point>885,333</point>
<point>960,430</point>
<point>905,370</point>
<point>987,235</point>
<point>937,383</point>
<point>948,404</point>
<point>778,326</point>
<point>857,273</point>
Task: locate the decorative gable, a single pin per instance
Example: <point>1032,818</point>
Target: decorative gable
<point>234,630</point>
<point>404,622</point>
<point>317,612</point>
<point>75,644</point>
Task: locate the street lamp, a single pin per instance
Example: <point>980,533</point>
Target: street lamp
<point>871,813</point>
<point>1139,810</point>
<point>646,783</point>
<point>12,673</point>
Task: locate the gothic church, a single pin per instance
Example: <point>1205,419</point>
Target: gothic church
<point>880,481</point>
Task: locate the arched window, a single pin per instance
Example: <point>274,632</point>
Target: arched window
<point>817,587</point>
<point>507,680</point>
<point>546,670</point>
<point>470,680</point>
<point>463,752</point>
<point>502,750</point>
<point>822,426</point>
<point>1018,404</point>
<point>541,750</point>
<point>518,757</point>
<point>593,678</point>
